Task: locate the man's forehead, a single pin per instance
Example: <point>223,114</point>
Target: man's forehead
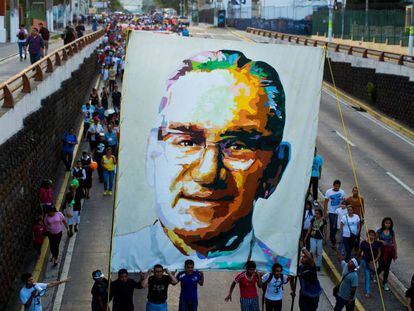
<point>216,99</point>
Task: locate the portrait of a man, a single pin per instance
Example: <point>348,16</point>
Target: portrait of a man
<point>216,149</point>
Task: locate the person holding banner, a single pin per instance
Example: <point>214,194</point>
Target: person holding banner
<point>247,280</point>
<point>157,283</point>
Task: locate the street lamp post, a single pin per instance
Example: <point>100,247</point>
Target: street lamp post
<point>330,7</point>
<point>411,36</point>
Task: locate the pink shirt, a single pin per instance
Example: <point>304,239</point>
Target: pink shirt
<point>54,224</point>
<point>46,196</point>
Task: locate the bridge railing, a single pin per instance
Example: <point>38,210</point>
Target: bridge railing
<point>382,56</point>
<point>24,81</point>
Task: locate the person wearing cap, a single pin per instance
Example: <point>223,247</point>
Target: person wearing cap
<point>99,291</point>
<point>348,286</point>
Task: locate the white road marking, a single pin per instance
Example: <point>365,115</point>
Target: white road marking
<point>8,58</point>
<point>387,128</point>
<point>346,104</point>
<point>68,258</point>
<point>344,138</point>
<point>369,117</point>
<point>401,183</point>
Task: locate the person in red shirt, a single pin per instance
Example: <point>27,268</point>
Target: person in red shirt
<point>248,281</point>
<point>39,232</point>
<point>45,194</point>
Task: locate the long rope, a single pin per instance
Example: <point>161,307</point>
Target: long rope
<point>354,172</point>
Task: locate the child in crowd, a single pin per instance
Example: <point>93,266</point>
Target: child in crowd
<point>39,232</point>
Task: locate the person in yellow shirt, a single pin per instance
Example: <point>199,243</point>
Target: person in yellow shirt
<point>108,162</point>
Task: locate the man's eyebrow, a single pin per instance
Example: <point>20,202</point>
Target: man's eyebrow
<point>184,128</point>
<point>251,133</point>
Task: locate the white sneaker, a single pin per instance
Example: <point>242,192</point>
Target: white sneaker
<point>386,287</point>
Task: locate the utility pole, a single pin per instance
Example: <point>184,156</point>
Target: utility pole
<point>411,37</point>
<point>330,6</point>
<point>366,19</point>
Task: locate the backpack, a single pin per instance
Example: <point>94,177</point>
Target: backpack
<point>21,35</point>
<point>264,286</point>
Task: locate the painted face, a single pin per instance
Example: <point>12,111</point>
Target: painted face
<point>216,147</point>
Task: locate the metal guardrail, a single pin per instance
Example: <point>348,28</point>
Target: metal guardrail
<point>382,56</point>
<point>22,82</point>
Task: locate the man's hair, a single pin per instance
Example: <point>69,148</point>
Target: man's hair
<point>25,277</point>
<point>337,182</point>
<point>250,265</point>
<point>122,271</point>
<point>188,262</point>
<point>371,231</point>
<point>236,61</point>
<point>276,266</point>
<point>158,266</point>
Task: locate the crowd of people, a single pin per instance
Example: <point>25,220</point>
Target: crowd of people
<point>36,44</point>
<point>341,215</point>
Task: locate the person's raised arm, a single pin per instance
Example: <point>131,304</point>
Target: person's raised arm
<point>259,280</point>
<point>172,276</point>
<point>309,256</point>
<point>56,283</point>
<point>292,286</point>
<point>201,280</point>
<point>409,303</point>
<point>145,281</point>
<point>309,232</point>
<point>232,286</point>
<point>394,241</point>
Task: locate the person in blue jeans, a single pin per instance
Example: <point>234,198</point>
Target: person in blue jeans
<point>69,141</point>
<point>22,35</point>
<point>157,280</point>
<point>111,139</point>
<point>189,279</point>
<point>333,199</point>
<point>108,163</point>
<point>35,45</point>
<point>348,286</point>
<point>368,247</point>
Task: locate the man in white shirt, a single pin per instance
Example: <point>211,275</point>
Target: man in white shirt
<point>333,199</point>
<point>350,226</point>
<point>94,130</point>
<point>272,284</point>
<point>340,212</point>
<point>31,294</point>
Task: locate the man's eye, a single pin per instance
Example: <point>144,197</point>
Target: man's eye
<point>186,143</point>
<point>237,146</point>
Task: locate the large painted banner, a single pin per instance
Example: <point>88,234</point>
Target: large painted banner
<point>216,149</point>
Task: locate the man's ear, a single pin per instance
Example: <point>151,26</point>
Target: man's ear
<point>274,171</point>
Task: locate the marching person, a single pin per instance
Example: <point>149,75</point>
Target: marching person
<point>157,283</point>
<point>122,291</point>
<point>31,294</point>
<point>99,291</point>
<point>310,288</point>
<point>189,280</point>
<point>247,280</point>
<point>272,285</point>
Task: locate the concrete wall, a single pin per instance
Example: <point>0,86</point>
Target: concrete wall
<point>394,94</point>
<point>12,121</point>
<point>31,155</point>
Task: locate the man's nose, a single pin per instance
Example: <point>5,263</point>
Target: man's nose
<point>206,170</point>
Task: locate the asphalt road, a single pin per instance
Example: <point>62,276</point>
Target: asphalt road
<point>384,161</point>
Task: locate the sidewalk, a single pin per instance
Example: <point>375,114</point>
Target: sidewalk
<point>369,45</point>
<point>10,63</point>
